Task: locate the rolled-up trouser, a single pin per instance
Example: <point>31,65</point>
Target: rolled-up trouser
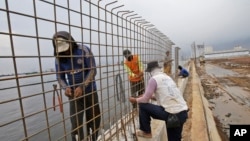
<point>93,117</point>
<point>148,110</point>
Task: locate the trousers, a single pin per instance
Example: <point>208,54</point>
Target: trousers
<point>148,110</point>
<point>88,103</point>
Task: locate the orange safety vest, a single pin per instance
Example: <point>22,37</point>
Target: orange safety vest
<point>134,67</point>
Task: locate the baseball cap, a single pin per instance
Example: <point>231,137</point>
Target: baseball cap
<point>151,65</point>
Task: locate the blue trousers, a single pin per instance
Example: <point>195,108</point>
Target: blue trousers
<point>148,110</point>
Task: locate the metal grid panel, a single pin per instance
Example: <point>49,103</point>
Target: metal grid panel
<point>28,78</point>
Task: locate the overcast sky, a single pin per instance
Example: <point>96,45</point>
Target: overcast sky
<point>222,24</point>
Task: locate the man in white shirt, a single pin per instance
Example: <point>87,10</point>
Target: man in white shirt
<point>169,99</point>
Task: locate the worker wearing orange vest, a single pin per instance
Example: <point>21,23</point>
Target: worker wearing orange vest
<point>134,67</point>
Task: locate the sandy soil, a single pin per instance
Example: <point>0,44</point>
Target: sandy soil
<point>186,136</point>
<point>227,107</point>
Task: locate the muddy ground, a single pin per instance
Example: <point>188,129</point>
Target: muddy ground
<point>228,95</point>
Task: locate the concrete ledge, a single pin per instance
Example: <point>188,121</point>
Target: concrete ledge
<point>211,125</point>
<point>198,120</point>
<point>182,84</point>
<point>203,124</point>
<point>159,132</point>
<point>116,132</point>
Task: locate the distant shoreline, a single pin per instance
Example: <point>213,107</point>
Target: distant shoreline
<point>25,73</point>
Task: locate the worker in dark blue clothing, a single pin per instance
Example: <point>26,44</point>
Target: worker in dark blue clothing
<point>76,70</point>
<point>183,72</point>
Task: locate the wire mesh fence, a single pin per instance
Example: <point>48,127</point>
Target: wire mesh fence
<point>33,105</point>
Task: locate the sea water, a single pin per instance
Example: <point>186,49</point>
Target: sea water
<point>28,109</point>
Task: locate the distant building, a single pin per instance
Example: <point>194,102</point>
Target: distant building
<point>237,51</point>
<point>238,48</point>
<point>208,49</point>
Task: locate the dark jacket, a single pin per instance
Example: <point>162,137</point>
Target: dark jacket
<point>76,69</point>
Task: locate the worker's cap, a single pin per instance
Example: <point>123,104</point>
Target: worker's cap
<point>126,53</point>
<point>152,65</point>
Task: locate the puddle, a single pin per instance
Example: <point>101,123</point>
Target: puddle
<point>218,72</point>
<point>232,104</point>
<point>240,95</point>
<point>229,112</point>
